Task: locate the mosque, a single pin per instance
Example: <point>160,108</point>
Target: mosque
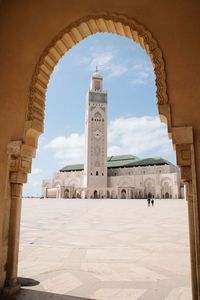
<point>123,177</point>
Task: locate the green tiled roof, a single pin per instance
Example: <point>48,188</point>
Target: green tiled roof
<point>72,168</point>
<point>123,161</point>
<point>149,161</point>
<point>121,157</point>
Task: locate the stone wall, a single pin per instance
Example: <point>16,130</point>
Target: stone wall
<point>159,181</point>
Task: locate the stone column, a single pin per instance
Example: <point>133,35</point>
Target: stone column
<point>183,142</point>
<point>20,157</point>
<point>13,240</point>
<point>45,192</point>
<point>118,193</point>
<point>194,276</point>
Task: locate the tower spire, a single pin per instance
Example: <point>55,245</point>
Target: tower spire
<point>95,166</point>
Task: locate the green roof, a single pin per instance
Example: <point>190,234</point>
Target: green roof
<point>123,161</point>
<point>149,161</point>
<point>120,157</point>
<point>72,168</point>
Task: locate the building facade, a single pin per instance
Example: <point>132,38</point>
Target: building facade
<point>124,177</point>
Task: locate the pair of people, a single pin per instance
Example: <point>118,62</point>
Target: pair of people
<point>150,201</point>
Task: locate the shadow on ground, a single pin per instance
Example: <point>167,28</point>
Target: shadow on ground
<point>27,281</point>
<point>27,294</point>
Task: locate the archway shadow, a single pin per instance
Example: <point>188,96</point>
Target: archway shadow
<point>27,281</point>
<point>28,294</point>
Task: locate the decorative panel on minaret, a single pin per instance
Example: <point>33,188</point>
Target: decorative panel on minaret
<point>95,167</point>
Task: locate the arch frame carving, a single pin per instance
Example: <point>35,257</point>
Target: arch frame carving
<point>20,153</point>
<point>57,183</point>
<point>166,179</point>
<point>73,34</point>
<point>74,182</point>
<point>149,180</point>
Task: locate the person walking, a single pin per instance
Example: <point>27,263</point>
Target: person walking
<point>152,201</point>
<point>149,201</point>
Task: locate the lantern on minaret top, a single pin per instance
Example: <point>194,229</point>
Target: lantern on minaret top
<point>96,83</point>
<point>95,166</point>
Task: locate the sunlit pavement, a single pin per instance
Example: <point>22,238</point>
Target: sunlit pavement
<point>105,249</point>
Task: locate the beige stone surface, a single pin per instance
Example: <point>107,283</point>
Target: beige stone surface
<point>105,249</point>
<point>118,294</point>
<point>121,272</point>
<point>61,283</point>
<point>183,293</point>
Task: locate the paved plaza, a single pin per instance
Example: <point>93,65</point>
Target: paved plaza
<point>104,249</point>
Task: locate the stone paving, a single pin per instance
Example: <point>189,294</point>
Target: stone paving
<point>104,249</point>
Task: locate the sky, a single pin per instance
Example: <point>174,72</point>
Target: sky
<point>134,126</point>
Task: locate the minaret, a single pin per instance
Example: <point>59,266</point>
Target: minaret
<point>95,167</point>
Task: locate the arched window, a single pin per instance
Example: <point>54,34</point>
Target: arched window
<point>91,174</point>
<point>102,174</point>
<point>97,173</point>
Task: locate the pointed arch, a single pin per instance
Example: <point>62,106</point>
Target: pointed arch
<point>70,36</point>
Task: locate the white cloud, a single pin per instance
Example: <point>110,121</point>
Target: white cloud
<point>109,61</point>
<point>142,73</point>
<point>68,150</point>
<point>106,61</point>
<point>144,136</point>
<point>138,136</point>
<point>36,171</point>
<point>101,60</point>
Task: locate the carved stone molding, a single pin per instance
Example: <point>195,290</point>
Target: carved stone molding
<point>20,157</point>
<point>72,35</point>
<point>182,138</point>
<point>18,177</point>
<point>182,135</point>
<point>14,148</point>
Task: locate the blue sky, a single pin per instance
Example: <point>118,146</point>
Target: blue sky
<point>133,122</point>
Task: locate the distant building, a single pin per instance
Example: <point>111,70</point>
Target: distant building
<point>124,176</point>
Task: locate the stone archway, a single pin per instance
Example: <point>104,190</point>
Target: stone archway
<point>101,194</point>
<point>166,188</point>
<point>21,152</point>
<point>70,36</point>
<point>166,195</point>
<point>95,194</point>
<point>66,193</point>
<point>149,185</point>
<point>123,194</point>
